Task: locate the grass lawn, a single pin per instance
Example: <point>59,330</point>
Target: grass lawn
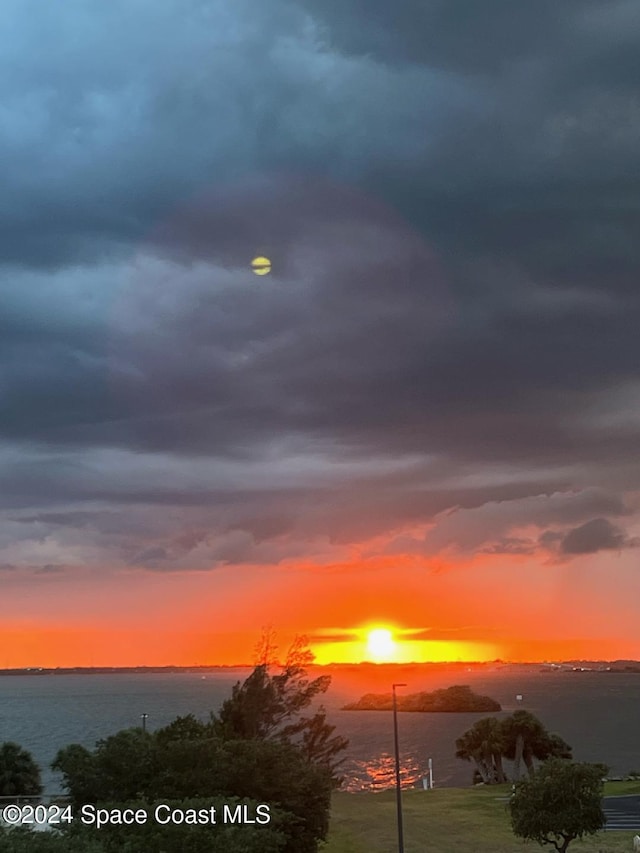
<point>446,820</point>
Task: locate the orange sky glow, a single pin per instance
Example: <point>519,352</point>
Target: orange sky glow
<point>466,611</point>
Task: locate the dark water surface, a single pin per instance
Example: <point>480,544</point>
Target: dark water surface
<point>596,712</point>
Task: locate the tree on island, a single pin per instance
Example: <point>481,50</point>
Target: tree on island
<point>19,774</point>
<point>459,698</point>
<point>560,802</point>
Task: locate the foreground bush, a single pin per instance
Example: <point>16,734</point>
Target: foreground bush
<point>562,801</point>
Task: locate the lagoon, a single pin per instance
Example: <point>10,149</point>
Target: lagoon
<point>596,712</point>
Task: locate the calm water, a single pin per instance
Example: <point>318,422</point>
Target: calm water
<point>597,713</point>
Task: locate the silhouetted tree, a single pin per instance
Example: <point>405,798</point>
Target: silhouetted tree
<point>484,744</point>
<point>254,710</point>
<point>134,766</point>
<point>319,744</point>
<point>19,774</point>
<point>518,737</point>
<point>261,746</point>
<point>526,738</point>
<point>122,767</point>
<point>266,649</point>
<point>79,772</point>
<point>183,728</point>
<point>270,706</point>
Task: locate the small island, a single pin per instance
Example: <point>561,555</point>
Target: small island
<point>457,699</point>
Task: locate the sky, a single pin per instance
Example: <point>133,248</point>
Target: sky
<point>426,417</point>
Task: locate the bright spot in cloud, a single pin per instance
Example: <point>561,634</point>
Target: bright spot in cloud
<point>261,266</point>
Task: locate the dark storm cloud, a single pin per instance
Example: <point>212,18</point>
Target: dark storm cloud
<point>501,523</point>
<point>359,311</point>
<point>462,36</point>
<point>599,534</point>
<point>112,123</point>
<point>105,141</point>
<point>449,195</point>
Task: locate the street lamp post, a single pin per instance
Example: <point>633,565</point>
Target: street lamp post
<point>397,750</point>
<point>144,721</point>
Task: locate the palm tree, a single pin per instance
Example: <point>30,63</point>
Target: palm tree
<point>521,731</point>
<point>19,774</point>
<point>484,744</point>
<point>467,750</point>
<point>489,733</point>
<point>525,738</point>
<point>550,746</point>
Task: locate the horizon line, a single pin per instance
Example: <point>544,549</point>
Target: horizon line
<point>377,664</point>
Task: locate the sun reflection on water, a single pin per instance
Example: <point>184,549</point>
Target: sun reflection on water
<point>379,774</point>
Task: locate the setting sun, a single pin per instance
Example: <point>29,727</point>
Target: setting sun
<point>373,643</point>
<point>380,644</point>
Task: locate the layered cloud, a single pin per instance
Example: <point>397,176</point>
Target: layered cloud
<point>444,359</point>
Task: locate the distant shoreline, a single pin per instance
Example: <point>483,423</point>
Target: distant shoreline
<point>582,666</point>
<point>121,670</point>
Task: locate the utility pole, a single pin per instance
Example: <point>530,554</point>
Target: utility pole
<point>397,751</point>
